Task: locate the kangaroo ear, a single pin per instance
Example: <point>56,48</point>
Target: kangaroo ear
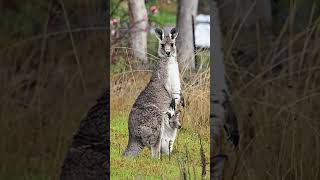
<point>159,33</point>
<point>174,33</point>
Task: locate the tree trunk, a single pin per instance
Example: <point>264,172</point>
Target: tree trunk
<point>216,171</point>
<point>221,113</point>
<point>264,12</point>
<point>185,41</point>
<point>138,30</point>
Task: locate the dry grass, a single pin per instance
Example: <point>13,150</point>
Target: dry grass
<point>186,159</point>
<point>43,101</point>
<point>47,82</point>
<point>278,118</point>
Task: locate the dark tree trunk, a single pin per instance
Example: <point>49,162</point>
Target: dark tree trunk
<point>221,112</point>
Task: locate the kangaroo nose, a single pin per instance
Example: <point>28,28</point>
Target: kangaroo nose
<point>168,53</point>
<point>179,126</point>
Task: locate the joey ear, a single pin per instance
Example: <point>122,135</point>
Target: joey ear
<point>174,33</point>
<point>159,33</point>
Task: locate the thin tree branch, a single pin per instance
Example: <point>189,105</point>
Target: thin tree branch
<point>73,46</point>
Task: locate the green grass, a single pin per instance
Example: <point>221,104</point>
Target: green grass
<point>163,18</point>
<point>144,166</point>
<point>153,44</point>
<point>202,59</point>
<point>166,14</point>
<point>118,66</point>
<point>186,156</point>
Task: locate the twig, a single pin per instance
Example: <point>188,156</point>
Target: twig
<point>127,31</point>
<point>234,173</point>
<point>290,45</point>
<point>73,46</point>
<point>33,38</point>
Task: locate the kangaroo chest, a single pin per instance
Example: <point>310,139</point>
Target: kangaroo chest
<point>173,80</point>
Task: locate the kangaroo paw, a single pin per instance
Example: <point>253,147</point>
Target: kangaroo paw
<point>173,104</point>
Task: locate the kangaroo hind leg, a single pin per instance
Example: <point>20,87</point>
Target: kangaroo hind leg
<point>155,150</point>
<point>134,148</point>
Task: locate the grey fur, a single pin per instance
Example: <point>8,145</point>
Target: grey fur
<point>87,155</point>
<point>174,119</point>
<point>146,119</point>
<point>171,124</point>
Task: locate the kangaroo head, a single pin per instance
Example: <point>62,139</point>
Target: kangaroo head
<point>174,121</point>
<point>167,41</point>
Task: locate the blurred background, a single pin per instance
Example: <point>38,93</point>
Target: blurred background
<point>271,55</point>
<point>52,69</point>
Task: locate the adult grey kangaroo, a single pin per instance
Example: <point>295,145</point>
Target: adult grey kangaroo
<point>146,119</point>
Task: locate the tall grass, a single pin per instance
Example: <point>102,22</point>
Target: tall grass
<point>276,101</point>
<point>189,159</point>
<point>42,93</point>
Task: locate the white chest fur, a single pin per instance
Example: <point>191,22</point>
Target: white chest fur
<point>173,85</point>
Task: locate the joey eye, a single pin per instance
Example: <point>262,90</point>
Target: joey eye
<point>171,44</point>
<point>162,45</point>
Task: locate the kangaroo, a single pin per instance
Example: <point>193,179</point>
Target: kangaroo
<point>171,124</point>
<point>173,119</point>
<point>146,120</point>
<point>87,155</point>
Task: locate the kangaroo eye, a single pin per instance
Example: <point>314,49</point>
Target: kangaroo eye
<point>171,44</point>
<point>162,45</point>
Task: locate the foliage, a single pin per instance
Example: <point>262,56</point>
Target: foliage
<point>164,15</point>
<point>163,18</point>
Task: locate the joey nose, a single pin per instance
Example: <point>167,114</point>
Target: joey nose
<point>179,126</point>
<point>168,53</point>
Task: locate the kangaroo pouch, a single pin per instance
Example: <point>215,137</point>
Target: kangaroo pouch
<point>145,124</point>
